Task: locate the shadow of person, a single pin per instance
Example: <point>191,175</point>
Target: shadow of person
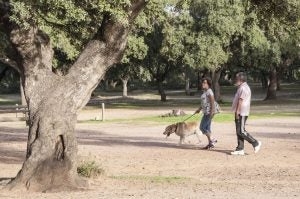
<point>225,151</point>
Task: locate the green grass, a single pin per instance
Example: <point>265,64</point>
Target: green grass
<point>6,103</point>
<point>219,118</point>
<point>89,169</point>
<point>154,179</point>
<point>191,103</point>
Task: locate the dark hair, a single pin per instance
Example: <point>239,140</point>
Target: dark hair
<point>208,80</point>
<point>241,76</point>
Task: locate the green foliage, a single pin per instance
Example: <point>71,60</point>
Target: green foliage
<point>89,169</point>
<point>69,23</point>
<point>216,23</point>
<point>171,35</point>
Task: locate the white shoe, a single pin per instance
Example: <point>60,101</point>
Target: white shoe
<point>240,152</point>
<point>257,148</point>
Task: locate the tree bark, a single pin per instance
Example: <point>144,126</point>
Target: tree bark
<point>124,83</point>
<point>161,91</point>
<point>53,100</point>
<point>216,74</point>
<point>272,87</point>
<point>279,72</point>
<point>198,81</point>
<point>264,80</point>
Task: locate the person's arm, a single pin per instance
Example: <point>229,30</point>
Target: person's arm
<point>212,105</point>
<point>238,108</point>
<point>198,110</point>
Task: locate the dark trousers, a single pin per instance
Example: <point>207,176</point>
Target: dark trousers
<point>242,134</point>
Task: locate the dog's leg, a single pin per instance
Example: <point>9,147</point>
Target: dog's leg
<point>198,136</point>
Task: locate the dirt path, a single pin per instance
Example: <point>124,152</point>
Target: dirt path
<point>140,163</point>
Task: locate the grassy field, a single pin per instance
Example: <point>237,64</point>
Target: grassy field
<point>219,118</point>
<point>176,98</point>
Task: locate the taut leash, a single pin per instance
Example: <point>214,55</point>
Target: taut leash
<point>189,117</point>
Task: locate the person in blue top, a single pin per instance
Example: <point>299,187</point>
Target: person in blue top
<point>208,109</point>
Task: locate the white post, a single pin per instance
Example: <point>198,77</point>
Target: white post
<point>16,110</point>
<point>103,111</point>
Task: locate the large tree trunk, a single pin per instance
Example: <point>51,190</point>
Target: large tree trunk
<point>161,91</point>
<point>198,81</point>
<point>53,100</point>
<point>50,163</point>
<point>106,85</point>
<point>272,87</point>
<point>264,80</point>
<point>216,74</point>
<point>187,87</point>
<point>124,83</point>
<point>279,73</point>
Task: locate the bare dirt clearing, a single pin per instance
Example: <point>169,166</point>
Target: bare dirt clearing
<point>140,163</point>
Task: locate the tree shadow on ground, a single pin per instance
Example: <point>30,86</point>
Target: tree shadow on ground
<point>8,134</point>
<point>278,135</point>
<point>118,102</point>
<point>283,126</point>
<point>11,156</point>
<point>87,137</point>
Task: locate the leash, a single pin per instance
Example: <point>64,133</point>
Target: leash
<point>189,117</point>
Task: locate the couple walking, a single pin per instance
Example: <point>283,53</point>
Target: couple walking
<point>240,107</point>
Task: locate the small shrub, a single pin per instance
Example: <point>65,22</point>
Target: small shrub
<point>90,169</point>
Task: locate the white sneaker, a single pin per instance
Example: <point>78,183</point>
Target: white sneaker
<point>240,152</point>
<point>257,148</point>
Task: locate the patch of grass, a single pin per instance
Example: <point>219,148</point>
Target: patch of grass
<point>191,103</point>
<point>5,103</point>
<point>90,169</point>
<point>154,179</point>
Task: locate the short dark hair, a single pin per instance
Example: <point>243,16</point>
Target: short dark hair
<point>208,80</point>
<point>242,76</point>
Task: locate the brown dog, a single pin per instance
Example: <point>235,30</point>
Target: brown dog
<point>183,130</point>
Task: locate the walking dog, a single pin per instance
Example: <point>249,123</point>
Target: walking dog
<point>183,130</point>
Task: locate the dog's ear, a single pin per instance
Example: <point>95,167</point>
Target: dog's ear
<point>167,130</point>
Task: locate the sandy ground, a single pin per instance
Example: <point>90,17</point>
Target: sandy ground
<point>133,156</point>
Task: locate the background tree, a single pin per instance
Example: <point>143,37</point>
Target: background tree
<point>216,25</point>
<point>279,22</point>
<point>130,66</point>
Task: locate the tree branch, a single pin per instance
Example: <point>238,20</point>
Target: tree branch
<point>105,49</point>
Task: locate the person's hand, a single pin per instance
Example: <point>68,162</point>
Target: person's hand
<point>236,115</point>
